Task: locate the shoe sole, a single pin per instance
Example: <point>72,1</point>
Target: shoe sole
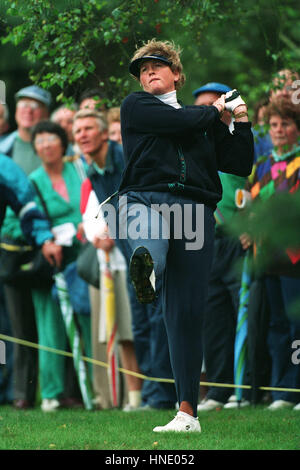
<point>141,267</point>
<point>159,429</point>
<point>219,407</point>
<point>235,406</point>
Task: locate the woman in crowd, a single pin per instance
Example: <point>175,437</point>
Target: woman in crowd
<point>59,183</point>
<point>276,173</point>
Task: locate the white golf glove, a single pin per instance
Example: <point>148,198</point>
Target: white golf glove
<point>232,100</point>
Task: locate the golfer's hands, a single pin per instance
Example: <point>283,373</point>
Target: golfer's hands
<point>103,241</point>
<point>220,104</point>
<point>53,253</point>
<point>246,241</point>
<point>232,105</point>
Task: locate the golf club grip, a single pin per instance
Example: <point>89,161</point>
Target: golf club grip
<point>234,95</point>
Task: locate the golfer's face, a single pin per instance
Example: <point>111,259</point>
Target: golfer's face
<point>157,78</point>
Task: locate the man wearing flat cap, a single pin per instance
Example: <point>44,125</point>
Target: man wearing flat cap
<point>32,106</point>
<point>209,93</point>
<point>222,304</point>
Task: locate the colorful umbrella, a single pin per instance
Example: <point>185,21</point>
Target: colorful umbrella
<point>75,341</point>
<point>240,346</point>
<point>108,305</point>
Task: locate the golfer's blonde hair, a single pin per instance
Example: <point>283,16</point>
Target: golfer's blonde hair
<point>167,49</point>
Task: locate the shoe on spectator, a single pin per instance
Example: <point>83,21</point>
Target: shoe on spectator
<point>209,405</point>
<point>71,402</point>
<point>50,404</point>
<point>128,407</point>
<point>182,422</point>
<point>22,404</point>
<point>280,404</point>
<point>235,404</point>
<point>231,399</point>
<point>297,407</point>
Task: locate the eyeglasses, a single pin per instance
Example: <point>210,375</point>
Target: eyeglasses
<point>49,140</point>
<point>28,104</point>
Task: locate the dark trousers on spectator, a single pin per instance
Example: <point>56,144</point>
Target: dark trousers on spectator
<point>284,330</point>
<point>220,316</point>
<point>23,325</point>
<point>6,369</point>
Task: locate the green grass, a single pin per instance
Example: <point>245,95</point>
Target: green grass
<point>245,429</point>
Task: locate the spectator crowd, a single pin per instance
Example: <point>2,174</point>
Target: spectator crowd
<point>72,159</point>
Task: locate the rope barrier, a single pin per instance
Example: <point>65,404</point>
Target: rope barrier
<point>129,372</point>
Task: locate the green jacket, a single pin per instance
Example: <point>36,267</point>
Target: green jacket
<point>226,208</point>
<point>60,211</point>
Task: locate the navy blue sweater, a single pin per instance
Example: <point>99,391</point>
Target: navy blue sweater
<point>180,150</point>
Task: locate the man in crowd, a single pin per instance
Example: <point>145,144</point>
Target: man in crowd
<point>92,98</point>
<point>223,298</point>
<point>64,116</point>
<point>32,106</point>
<point>4,122</point>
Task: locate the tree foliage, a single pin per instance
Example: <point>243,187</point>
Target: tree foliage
<point>73,44</point>
<point>69,45</point>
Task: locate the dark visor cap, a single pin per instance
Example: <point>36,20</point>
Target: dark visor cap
<point>134,67</point>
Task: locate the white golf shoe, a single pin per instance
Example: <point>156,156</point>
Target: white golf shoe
<point>280,404</point>
<point>209,405</point>
<point>182,422</point>
<point>50,404</point>
<point>231,405</point>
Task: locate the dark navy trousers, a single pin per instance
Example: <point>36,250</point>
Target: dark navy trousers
<point>151,345</point>
<point>219,328</point>
<point>165,224</point>
<point>6,370</point>
<point>284,329</point>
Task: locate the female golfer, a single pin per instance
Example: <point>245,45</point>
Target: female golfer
<point>169,191</point>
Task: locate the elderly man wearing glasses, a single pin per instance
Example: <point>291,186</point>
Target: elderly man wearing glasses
<point>32,106</point>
